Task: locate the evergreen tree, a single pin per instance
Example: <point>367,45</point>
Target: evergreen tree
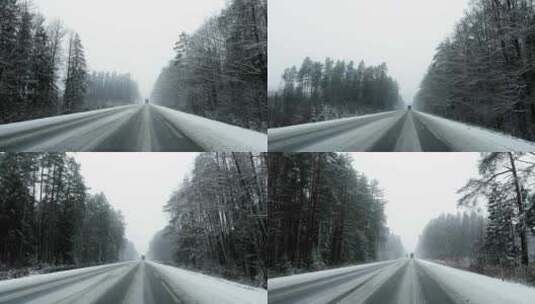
<point>322,212</point>
<point>484,74</point>
<point>47,216</point>
<point>76,79</point>
<point>220,71</point>
<point>219,217</point>
<point>320,91</point>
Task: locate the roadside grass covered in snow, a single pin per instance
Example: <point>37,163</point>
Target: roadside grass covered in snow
<point>7,273</point>
<point>59,275</point>
<point>203,289</point>
<point>471,287</point>
<point>518,274</point>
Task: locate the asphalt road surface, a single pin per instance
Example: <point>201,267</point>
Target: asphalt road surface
<point>404,281</point>
<point>397,131</point>
<point>411,284</point>
<point>139,128</point>
<point>132,283</point>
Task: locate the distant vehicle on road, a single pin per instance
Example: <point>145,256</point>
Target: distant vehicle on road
<point>409,108</point>
<point>147,101</point>
<point>143,257</point>
<point>412,255</point>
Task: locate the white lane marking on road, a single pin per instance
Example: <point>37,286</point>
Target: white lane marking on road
<point>83,291</point>
<point>146,132</point>
<point>135,291</point>
<point>170,292</point>
<point>408,140</point>
<point>410,289</point>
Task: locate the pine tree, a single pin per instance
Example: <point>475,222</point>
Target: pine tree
<point>501,172</point>
<point>322,213</point>
<point>320,91</point>
<point>9,20</point>
<point>220,70</point>
<point>76,79</point>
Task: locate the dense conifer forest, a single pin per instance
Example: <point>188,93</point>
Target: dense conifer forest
<point>499,241</point>
<point>320,91</point>
<point>220,70</point>
<point>44,72</point>
<point>48,218</point>
<point>323,213</point>
<point>218,218</point>
<point>484,73</point>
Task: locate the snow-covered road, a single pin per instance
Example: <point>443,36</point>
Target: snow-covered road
<point>403,281</point>
<point>138,128</point>
<point>128,283</point>
<point>398,131</point>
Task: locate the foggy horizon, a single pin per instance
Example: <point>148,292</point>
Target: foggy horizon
<point>135,37</point>
<point>137,184</point>
<point>418,187</point>
<point>404,35</point>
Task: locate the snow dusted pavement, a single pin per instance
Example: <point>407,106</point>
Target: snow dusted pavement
<point>404,281</point>
<point>398,131</point>
<point>330,286</point>
<point>133,128</point>
<point>128,283</point>
<point>84,285</point>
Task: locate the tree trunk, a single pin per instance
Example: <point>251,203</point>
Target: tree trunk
<point>521,211</point>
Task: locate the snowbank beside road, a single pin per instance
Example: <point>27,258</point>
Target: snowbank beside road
<point>204,289</point>
<point>467,138</point>
<point>347,134</point>
<point>479,289</point>
<point>28,282</point>
<point>317,275</point>
<point>284,132</point>
<point>213,135</point>
<point>25,126</point>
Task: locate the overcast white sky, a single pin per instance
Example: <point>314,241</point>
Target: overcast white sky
<point>135,36</point>
<point>417,186</point>
<point>402,33</point>
<point>138,184</point>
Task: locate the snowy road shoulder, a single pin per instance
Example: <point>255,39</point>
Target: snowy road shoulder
<point>28,282</point>
<point>321,135</point>
<point>84,285</point>
<point>213,135</point>
<point>26,126</point>
<point>475,288</point>
<point>467,138</point>
<point>203,289</point>
<point>343,285</point>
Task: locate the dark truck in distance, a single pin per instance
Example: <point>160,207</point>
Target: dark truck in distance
<point>147,101</point>
<point>409,107</point>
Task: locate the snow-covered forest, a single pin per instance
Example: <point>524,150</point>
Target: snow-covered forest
<point>49,220</point>
<point>106,89</point>
<point>321,91</point>
<point>454,238</point>
<point>484,74</point>
<point>218,218</point>
<point>220,70</point>
<point>499,241</point>
<point>323,213</point>
<point>43,68</point>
